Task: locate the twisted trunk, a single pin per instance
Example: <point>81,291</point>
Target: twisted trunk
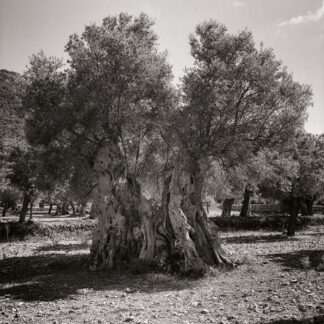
<point>178,237</point>
<point>125,227</point>
<point>194,236</point>
<point>227,207</point>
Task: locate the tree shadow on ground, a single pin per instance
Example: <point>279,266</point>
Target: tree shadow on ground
<point>302,260</point>
<point>56,276</point>
<point>263,238</point>
<point>63,247</point>
<point>311,320</point>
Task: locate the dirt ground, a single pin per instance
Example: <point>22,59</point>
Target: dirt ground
<point>280,280</point>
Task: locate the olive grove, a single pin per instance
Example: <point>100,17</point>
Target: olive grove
<point>112,124</point>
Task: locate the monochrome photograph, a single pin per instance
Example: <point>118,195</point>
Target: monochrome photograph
<point>162,161</point>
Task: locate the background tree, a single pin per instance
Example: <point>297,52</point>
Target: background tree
<point>8,199</point>
<point>23,173</point>
<point>296,176</point>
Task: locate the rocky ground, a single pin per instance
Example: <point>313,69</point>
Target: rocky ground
<point>280,280</point>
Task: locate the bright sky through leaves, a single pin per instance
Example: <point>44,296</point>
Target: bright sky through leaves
<point>294,28</point>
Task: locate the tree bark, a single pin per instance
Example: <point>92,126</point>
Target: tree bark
<point>246,206</point>
<point>50,209</point>
<point>178,237</point>
<point>294,208</point>
<point>196,245</point>
<point>119,236</point>
<point>24,209</point>
<point>227,207</point>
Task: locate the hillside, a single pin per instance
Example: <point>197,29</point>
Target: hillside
<point>11,115</point>
<point>11,118</point>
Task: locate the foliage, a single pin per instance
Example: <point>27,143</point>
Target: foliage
<point>237,98</point>
<point>298,172</point>
<point>117,86</point>
<point>277,223</point>
<point>9,198</point>
<point>23,170</point>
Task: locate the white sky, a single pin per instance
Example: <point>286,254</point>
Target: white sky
<point>293,28</point>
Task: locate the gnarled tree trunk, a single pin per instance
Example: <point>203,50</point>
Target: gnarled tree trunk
<point>227,207</point>
<point>178,237</point>
<point>197,246</point>
<point>124,229</point>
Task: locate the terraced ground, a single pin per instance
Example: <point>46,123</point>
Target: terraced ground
<point>45,279</point>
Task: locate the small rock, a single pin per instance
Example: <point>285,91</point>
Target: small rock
<point>204,311</point>
<point>129,319</point>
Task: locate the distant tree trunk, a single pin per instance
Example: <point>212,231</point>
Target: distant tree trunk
<point>82,208</point>
<point>58,209</point>
<point>24,209</point>
<point>93,210</point>
<point>310,205</point>
<point>65,208</point>
<point>294,208</point>
<point>73,207</point>
<point>4,210</point>
<point>303,207</point>
<point>284,206</point>
<point>227,207</point>
<point>31,211</point>
<point>50,209</point>
<point>246,206</point>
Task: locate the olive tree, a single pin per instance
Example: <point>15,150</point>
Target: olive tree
<point>101,115</point>
<point>236,100</point>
